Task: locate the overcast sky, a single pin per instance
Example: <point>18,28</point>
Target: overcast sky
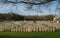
<point>21,8</point>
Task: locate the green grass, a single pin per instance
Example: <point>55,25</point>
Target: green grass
<point>29,34</point>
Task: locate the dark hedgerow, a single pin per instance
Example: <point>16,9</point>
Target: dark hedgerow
<point>17,17</point>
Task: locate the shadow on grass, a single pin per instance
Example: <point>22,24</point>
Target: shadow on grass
<point>3,36</point>
<point>57,30</point>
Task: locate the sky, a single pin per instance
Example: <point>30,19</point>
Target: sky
<point>22,9</point>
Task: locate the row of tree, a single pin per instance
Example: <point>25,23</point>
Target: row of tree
<point>11,16</point>
<point>43,17</point>
<point>16,17</point>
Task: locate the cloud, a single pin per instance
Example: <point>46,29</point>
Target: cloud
<point>21,8</point>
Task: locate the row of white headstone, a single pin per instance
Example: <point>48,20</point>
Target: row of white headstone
<point>34,29</point>
<point>27,28</point>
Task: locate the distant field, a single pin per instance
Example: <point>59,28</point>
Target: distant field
<point>29,34</point>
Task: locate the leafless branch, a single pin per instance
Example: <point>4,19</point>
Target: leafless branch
<point>29,2</point>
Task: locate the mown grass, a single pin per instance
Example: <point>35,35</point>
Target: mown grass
<point>29,34</point>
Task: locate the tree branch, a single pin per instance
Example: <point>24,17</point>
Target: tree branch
<point>30,2</point>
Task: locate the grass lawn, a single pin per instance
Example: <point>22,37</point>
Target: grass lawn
<point>29,34</point>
